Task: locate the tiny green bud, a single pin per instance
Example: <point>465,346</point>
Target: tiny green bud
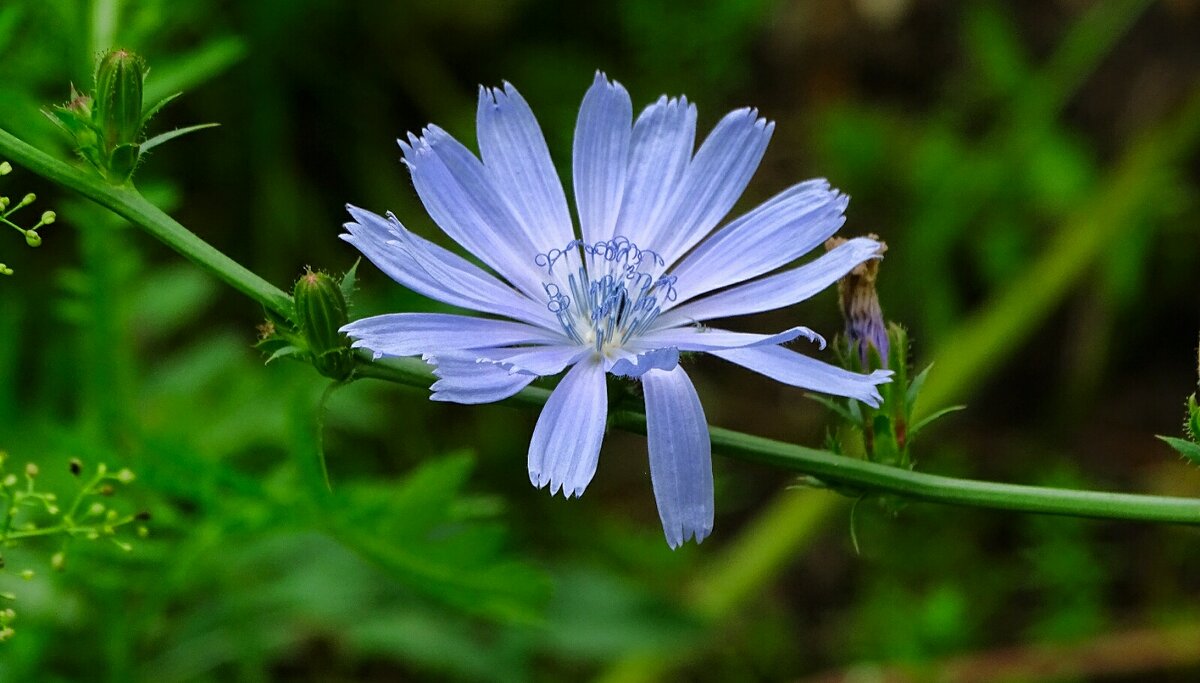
<point>48,217</point>
<point>96,509</point>
<point>4,202</point>
<point>143,532</point>
<point>31,470</point>
<point>32,238</point>
<point>5,168</point>
<point>321,313</point>
<point>58,561</point>
<point>6,633</point>
<point>27,574</point>
<point>28,199</point>
<point>5,270</point>
<point>53,509</point>
<point>106,490</point>
<point>10,481</point>
<point>119,80</point>
<point>126,476</point>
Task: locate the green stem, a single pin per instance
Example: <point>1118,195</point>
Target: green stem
<point>863,476</point>
<point>857,475</point>
<point>127,203</point>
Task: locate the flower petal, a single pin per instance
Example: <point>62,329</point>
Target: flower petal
<point>692,338</point>
<point>459,195</point>
<point>775,233</point>
<point>601,157</point>
<point>463,380</point>
<point>536,360</point>
<point>776,291</point>
<point>798,370</point>
<point>680,456</point>
<point>428,269</point>
<point>637,364</point>
<point>566,441</point>
<point>413,334</point>
<point>714,180</point>
<point>660,150</point>
<point>515,154</point>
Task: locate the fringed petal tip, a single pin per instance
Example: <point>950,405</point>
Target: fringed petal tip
<point>498,95</point>
<point>811,335</point>
<point>676,537</point>
<point>541,480</point>
<point>871,395</point>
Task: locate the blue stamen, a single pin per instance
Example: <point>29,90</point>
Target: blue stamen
<point>614,292</point>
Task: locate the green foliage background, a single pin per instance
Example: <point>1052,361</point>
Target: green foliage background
<point>1031,165</point>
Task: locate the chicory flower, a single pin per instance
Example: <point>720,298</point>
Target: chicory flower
<point>623,296</point>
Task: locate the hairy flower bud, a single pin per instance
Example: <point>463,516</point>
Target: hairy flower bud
<point>320,314</point>
<point>118,107</point>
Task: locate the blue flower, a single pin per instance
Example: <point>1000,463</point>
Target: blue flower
<point>625,296</point>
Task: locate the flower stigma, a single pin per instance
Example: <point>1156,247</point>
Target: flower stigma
<point>604,293</point>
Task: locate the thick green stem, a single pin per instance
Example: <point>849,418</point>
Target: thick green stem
<point>127,203</point>
<point>833,469</point>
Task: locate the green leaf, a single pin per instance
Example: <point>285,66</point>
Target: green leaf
<point>912,433</point>
<point>837,407</point>
<point>157,107</point>
<point>285,352</point>
<point>349,279</point>
<point>914,389</point>
<point>171,135</point>
<point>1186,448</point>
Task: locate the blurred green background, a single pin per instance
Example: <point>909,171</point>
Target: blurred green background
<point>1032,165</point>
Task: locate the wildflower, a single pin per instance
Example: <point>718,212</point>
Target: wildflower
<point>622,298</point>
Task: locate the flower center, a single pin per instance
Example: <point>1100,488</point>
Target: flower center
<point>604,293</point>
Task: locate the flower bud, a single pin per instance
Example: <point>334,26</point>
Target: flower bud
<point>1193,419</point>
<point>5,168</point>
<point>58,561</point>
<point>865,328</point>
<point>48,217</point>
<point>321,313</point>
<point>119,80</point>
<point>32,238</point>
